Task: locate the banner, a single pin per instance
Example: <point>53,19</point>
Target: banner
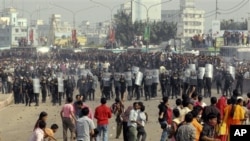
<point>147,33</point>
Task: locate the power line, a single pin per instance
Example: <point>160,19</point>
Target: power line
<point>209,15</point>
<point>225,13</point>
<point>216,9</point>
<point>210,12</point>
<point>239,4</point>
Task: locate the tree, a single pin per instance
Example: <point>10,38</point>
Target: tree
<point>232,25</point>
<point>126,30</point>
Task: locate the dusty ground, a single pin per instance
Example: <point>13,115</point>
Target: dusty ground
<point>17,121</point>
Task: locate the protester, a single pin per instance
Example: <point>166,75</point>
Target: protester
<point>125,119</point>
<point>42,117</point>
<point>49,132</point>
<point>186,132</point>
<point>132,122</point>
<point>38,133</point>
<point>68,119</point>
<point>84,126</point>
<point>209,127</point>
<point>142,119</point>
<point>102,115</point>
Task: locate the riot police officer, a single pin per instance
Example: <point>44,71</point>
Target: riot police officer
<point>218,81</point>
<point>43,84</point>
<point>91,89</point>
<point>240,80</point>
<point>122,82</point>
<point>69,86</point>
<point>175,84</point>
<point>23,89</point>
<point>117,85</point>
<point>147,82</point>
<point>163,83</point>
<point>82,87</point>
<point>228,83</point>
<point>16,90</point>
<point>54,91</point>
<point>29,88</point>
<point>105,85</point>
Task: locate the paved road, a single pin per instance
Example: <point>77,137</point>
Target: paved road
<point>17,121</point>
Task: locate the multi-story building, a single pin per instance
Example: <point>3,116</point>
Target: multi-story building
<point>189,19</point>
<point>13,28</point>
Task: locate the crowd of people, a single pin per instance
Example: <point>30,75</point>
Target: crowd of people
<point>191,119</point>
<point>60,74</point>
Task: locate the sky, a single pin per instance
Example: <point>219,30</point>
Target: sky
<point>97,14</point>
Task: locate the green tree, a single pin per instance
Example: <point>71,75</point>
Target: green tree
<point>126,30</point>
<point>232,25</point>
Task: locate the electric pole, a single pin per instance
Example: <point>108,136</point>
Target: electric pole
<point>216,10</point>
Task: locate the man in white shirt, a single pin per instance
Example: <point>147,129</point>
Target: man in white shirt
<point>84,126</point>
<point>38,133</point>
<point>132,122</point>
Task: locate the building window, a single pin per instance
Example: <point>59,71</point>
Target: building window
<point>17,30</point>
<point>24,30</point>
<point>16,38</point>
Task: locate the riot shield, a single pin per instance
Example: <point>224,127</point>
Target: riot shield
<point>60,85</point>
<point>36,85</point>
<point>192,67</point>
<point>139,77</point>
<point>135,69</point>
<point>155,76</point>
<point>106,79</point>
<point>201,72</point>
<point>231,70</point>
<point>186,76</point>
<point>128,75</point>
<point>84,72</point>
<point>209,71</point>
<point>117,76</point>
<point>193,78</point>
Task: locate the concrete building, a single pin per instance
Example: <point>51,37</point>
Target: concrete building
<point>13,28</point>
<point>189,19</point>
<point>126,7</point>
<point>143,8</point>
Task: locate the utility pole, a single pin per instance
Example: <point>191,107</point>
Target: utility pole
<point>216,16</point>
<point>216,10</point>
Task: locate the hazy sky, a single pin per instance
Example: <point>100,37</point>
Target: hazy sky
<point>101,13</point>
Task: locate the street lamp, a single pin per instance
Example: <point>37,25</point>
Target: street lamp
<point>73,12</point>
<point>111,13</point>
<point>74,39</point>
<point>30,13</point>
<point>147,8</point>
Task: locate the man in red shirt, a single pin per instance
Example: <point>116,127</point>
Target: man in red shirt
<point>102,115</point>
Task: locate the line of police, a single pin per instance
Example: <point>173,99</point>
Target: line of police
<point>173,82</point>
